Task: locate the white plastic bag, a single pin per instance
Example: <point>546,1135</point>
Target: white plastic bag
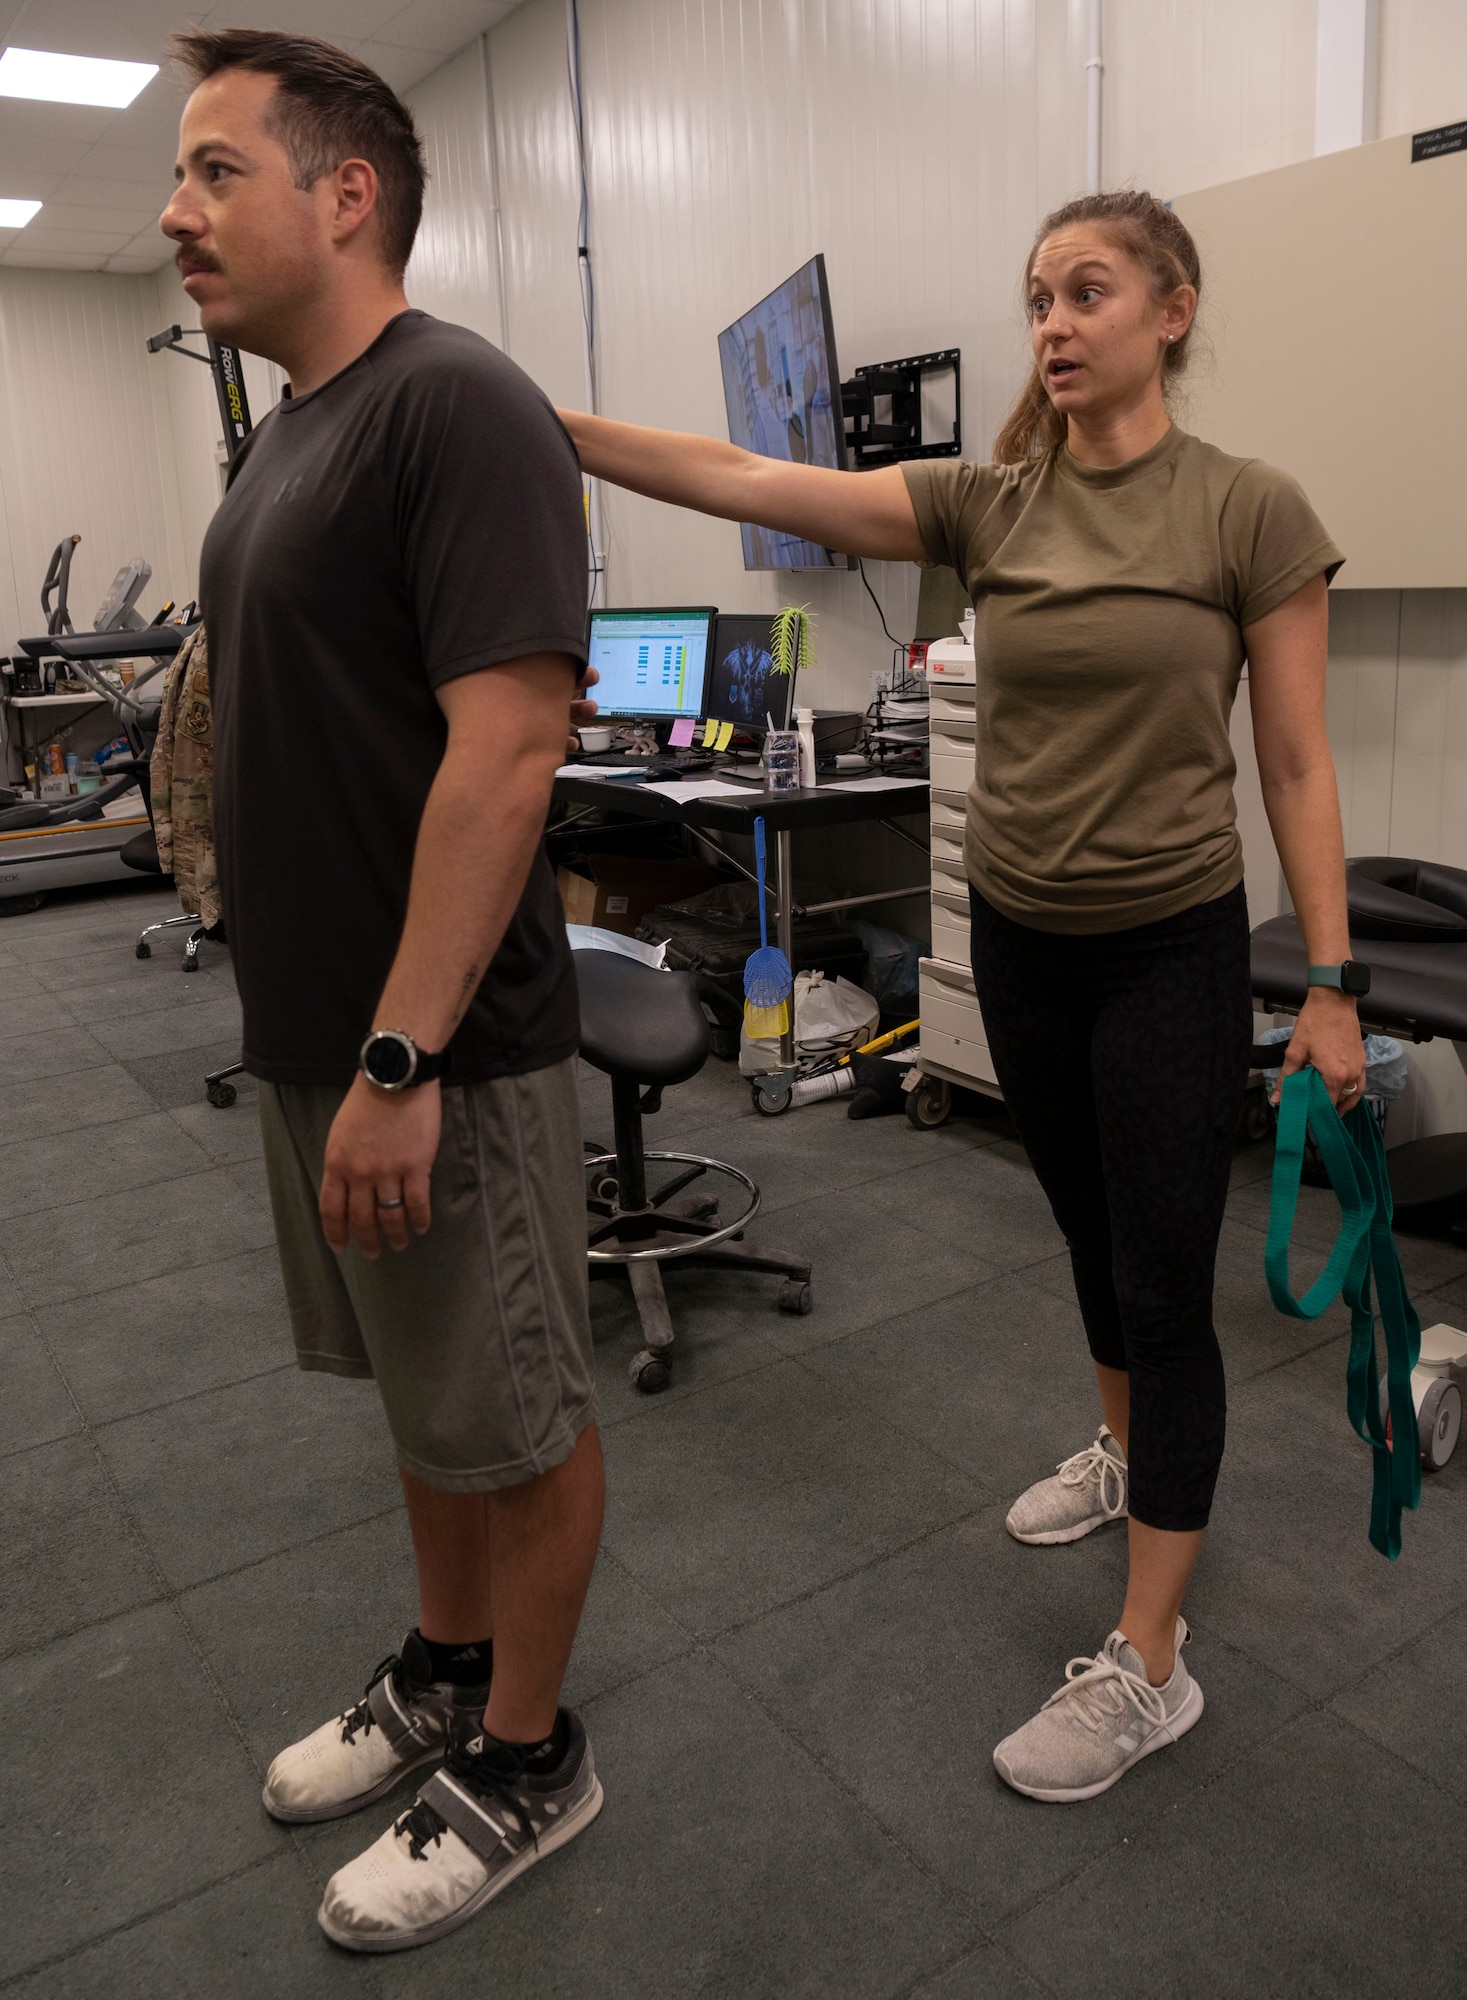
<point>588,937</point>
<point>831,1016</point>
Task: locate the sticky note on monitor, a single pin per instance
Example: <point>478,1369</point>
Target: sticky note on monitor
<point>710,732</point>
<point>725,736</point>
<point>680,736</point>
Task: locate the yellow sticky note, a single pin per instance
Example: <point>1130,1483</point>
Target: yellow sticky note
<point>725,736</point>
<point>710,732</point>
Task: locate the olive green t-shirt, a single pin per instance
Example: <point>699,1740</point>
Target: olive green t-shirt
<point>1109,637</point>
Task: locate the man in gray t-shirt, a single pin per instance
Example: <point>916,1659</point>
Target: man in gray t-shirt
<point>394,589</point>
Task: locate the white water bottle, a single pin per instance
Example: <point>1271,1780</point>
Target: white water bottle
<point>805,724</point>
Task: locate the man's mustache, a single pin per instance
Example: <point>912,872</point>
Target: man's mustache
<point>190,261</point>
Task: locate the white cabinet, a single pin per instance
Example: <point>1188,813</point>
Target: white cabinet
<point>954,1045</point>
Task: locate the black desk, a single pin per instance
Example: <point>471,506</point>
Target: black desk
<point>784,814</point>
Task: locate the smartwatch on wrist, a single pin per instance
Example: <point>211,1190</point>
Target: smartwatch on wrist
<point>1351,977</point>
<point>392,1060</point>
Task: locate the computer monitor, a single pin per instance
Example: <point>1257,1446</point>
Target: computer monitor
<point>743,687</point>
<point>782,388</point>
<point>653,664</point>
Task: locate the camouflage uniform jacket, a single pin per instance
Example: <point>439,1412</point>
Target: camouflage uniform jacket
<point>182,781</point>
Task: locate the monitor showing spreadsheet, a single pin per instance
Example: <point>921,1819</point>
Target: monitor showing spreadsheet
<point>651,663</point>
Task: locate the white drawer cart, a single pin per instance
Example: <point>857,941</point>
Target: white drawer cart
<point>954,1045</point>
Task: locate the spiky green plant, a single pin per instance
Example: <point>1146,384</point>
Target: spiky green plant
<point>792,639</point>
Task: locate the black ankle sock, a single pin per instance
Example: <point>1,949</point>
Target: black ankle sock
<point>467,1663</point>
<point>542,1756</point>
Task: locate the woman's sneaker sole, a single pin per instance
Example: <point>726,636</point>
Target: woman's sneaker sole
<point>1187,1717</point>
<point>1050,1537</point>
<point>566,1830</point>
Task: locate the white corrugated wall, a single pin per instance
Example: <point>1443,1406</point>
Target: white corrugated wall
<point>85,440</point>
<point>454,270</point>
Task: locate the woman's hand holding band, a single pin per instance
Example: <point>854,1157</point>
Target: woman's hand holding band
<point>1327,1036</point>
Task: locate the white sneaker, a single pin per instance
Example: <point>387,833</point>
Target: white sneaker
<point>479,1822</point>
<point>1105,1718</point>
<point>1085,1492</point>
<point>403,1719</point>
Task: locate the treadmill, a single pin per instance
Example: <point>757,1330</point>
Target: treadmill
<point>48,844</point>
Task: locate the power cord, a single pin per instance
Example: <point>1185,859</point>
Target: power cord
<point>897,643</point>
<point>586,277</point>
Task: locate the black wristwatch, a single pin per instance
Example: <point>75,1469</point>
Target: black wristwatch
<point>1350,977</point>
<point>392,1060</point>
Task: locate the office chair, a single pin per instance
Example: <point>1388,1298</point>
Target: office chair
<point>646,1030</point>
<point>141,852</point>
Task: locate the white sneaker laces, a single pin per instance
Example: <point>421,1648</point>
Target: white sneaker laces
<point>1097,1691</point>
<point>1096,1463</point>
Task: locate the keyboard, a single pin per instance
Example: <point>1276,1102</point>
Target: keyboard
<point>666,764</point>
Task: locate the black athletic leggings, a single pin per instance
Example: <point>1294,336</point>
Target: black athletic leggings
<point>1122,1059</point>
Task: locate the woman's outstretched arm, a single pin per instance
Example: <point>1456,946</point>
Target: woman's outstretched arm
<point>858,513</point>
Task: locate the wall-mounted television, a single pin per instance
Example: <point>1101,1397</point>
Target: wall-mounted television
<point>782,388</point>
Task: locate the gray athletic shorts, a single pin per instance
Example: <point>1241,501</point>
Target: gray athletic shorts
<point>478,1333</point>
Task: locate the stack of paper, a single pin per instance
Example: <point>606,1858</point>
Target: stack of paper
<point>876,784</point>
<point>598,771</point>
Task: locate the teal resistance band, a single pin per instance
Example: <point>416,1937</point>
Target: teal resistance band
<point>1354,1158</point>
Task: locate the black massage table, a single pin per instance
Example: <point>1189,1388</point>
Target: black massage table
<point>1408,923</point>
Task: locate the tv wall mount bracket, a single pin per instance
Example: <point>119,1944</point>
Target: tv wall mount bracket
<point>883,408</point>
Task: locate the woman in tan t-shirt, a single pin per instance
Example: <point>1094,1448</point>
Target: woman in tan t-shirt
<point>1121,571</point>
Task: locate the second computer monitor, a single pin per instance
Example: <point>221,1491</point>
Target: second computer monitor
<point>653,664</point>
<point>743,687</point>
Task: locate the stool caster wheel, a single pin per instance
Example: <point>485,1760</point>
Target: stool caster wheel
<point>604,1187</point>
<point>222,1095</point>
<point>650,1373</point>
<point>1256,1119</point>
<point>143,950</point>
<point>795,1296</point>
<point>930,1103</point>
<point>770,1098</point>
<point>1439,1424</point>
<point>189,965</point>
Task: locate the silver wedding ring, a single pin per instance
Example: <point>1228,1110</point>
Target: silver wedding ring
<point>396,1202</point>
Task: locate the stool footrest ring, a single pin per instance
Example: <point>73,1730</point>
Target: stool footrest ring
<point>600,1255</point>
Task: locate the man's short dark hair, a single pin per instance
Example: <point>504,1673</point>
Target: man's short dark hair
<point>328,107</point>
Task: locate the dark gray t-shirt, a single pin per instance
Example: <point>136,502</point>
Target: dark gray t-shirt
<point>416,518</point>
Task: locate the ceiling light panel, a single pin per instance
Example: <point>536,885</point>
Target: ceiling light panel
<point>16,214</point>
<point>72,79</point>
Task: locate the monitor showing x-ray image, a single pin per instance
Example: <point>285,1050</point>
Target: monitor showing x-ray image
<point>782,388</point>
<point>743,687</point>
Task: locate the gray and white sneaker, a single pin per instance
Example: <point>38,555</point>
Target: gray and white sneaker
<point>480,1821</point>
<point>404,1719</point>
<point>1105,1718</point>
<point>1084,1493</point>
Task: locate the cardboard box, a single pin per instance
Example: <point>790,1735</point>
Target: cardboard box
<point>618,890</point>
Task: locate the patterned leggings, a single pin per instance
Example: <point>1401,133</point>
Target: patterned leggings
<point>1122,1059</point>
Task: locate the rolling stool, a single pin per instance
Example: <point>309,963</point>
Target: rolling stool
<point>646,1029</point>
